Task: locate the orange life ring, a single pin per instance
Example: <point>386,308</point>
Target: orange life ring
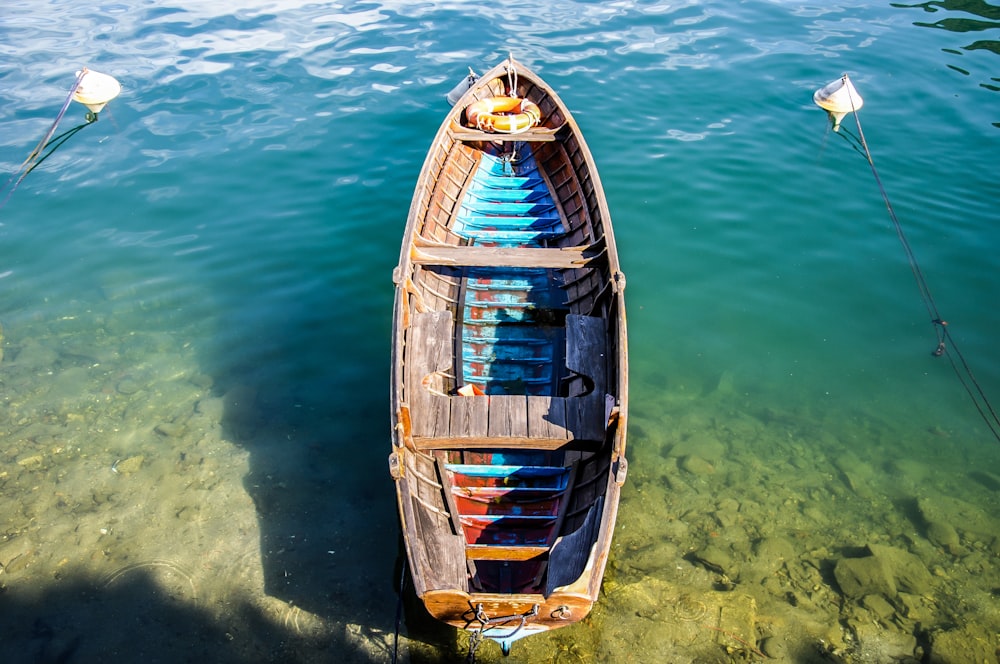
<point>507,115</point>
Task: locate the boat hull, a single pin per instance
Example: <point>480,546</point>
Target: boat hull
<point>509,382</point>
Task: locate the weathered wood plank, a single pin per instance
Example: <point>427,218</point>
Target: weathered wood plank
<point>586,348</point>
<point>570,553</point>
<point>469,416</point>
<point>547,417</point>
<point>508,416</point>
<point>556,258</point>
<point>428,350</point>
<point>495,443</point>
<point>585,416</point>
<point>440,460</point>
<point>497,552</point>
<point>538,134</point>
<point>515,421</point>
<point>441,553</point>
<point>452,606</point>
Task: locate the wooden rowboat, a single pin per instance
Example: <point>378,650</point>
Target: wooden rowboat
<point>509,374</point>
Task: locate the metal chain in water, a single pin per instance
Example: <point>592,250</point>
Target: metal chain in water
<point>475,638</point>
<point>487,623</point>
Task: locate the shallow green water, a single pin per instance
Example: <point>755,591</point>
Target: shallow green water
<point>201,281</point>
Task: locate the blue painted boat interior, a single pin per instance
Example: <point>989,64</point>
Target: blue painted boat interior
<point>510,328</point>
<point>512,319</point>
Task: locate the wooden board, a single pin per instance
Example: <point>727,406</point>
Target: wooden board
<point>547,418</point>
<point>570,553</point>
<point>469,416</point>
<point>428,350</point>
<point>566,258</point>
<point>508,416</point>
<point>512,421</point>
<point>587,348</point>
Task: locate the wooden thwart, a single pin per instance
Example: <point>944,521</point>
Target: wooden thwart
<point>441,421</point>
<point>501,552</point>
<point>535,135</point>
<point>562,258</point>
<point>511,421</point>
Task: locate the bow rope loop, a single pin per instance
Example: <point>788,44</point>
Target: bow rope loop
<point>946,343</point>
<point>511,77</point>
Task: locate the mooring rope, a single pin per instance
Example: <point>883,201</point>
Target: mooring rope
<point>511,77</point>
<point>399,612</point>
<point>34,159</point>
<point>946,343</point>
<point>486,623</point>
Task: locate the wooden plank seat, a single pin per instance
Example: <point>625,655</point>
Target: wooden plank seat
<point>513,420</point>
<point>547,257</point>
<point>442,421</point>
<point>536,134</point>
<point>502,552</point>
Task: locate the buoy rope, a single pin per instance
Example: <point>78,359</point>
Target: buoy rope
<point>946,343</point>
<point>34,158</point>
<point>60,139</point>
<point>399,612</point>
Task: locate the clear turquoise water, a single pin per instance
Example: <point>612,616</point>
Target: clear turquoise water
<point>226,233</point>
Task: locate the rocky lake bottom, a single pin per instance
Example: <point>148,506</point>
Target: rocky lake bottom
<point>151,515</point>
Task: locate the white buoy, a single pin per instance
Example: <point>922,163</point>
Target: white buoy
<point>96,90</point>
<point>838,99</point>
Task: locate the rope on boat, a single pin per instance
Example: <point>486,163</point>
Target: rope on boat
<point>486,623</point>
<point>399,612</point>
<point>511,77</point>
<point>945,342</point>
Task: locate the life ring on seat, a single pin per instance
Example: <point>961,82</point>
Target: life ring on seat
<point>507,115</point>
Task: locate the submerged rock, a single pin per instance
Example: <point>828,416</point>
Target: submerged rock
<point>770,554</point>
<point>970,644</point>
<point>696,465</point>
<point>942,534</point>
<point>774,647</point>
<point>909,571</point>
<point>885,571</point>
<point>170,429</point>
<point>858,577</point>
<point>702,445</point>
<point>970,520</point>
<point>878,605</point>
<point>714,558</point>
<point>884,645</point>
<point>129,465</point>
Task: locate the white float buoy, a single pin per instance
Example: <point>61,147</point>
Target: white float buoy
<point>838,99</point>
<point>96,90</point>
